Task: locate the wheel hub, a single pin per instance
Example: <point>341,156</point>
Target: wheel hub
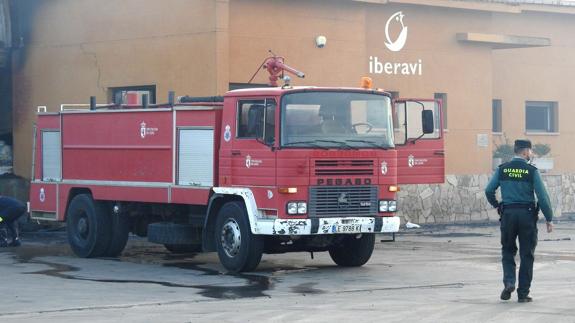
<point>231,238</point>
<point>82,227</point>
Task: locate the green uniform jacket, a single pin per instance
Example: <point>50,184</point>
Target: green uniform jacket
<point>520,192</point>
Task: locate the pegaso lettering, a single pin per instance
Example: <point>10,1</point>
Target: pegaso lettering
<point>342,182</point>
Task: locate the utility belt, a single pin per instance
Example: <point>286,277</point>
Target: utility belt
<point>532,207</point>
<point>525,206</point>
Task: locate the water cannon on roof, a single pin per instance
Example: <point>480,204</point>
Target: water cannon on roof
<point>276,67</point>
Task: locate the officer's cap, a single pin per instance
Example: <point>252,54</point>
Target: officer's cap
<point>522,143</point>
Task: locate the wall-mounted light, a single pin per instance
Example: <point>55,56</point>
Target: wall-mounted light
<point>320,41</point>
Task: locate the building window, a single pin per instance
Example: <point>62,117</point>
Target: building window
<point>496,124</point>
<point>443,98</point>
<point>133,94</point>
<point>541,116</point>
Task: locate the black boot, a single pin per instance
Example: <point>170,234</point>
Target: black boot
<point>524,299</point>
<point>14,233</point>
<point>506,293</point>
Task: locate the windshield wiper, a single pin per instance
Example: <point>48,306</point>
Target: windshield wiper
<point>311,143</point>
<point>373,144</point>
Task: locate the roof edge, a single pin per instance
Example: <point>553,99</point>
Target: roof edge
<point>484,5</point>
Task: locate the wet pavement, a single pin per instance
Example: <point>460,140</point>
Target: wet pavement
<point>437,274</point>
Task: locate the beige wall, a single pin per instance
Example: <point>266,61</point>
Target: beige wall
<point>83,47</point>
<point>538,74</point>
<point>355,32</point>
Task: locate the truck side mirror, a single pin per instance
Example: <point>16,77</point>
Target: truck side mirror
<point>427,121</point>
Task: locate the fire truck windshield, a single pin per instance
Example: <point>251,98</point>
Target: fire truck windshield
<point>330,119</point>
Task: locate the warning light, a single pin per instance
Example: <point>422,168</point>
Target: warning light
<point>366,82</point>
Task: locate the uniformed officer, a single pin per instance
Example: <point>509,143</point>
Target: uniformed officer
<point>10,211</point>
<point>518,210</point>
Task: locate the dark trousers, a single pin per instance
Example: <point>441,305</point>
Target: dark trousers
<point>10,211</point>
<point>518,223</point>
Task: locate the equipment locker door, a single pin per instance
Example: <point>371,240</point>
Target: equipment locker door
<point>196,157</point>
<point>419,141</point>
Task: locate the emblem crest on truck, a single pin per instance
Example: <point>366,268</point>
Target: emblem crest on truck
<point>383,167</point>
<point>146,131</point>
<point>410,161</point>
<point>143,129</point>
<point>228,133</point>
<point>42,196</point>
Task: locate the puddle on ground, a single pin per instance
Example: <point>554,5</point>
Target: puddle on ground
<point>306,289</point>
<point>255,285</point>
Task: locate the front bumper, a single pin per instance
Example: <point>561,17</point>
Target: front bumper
<point>327,225</point>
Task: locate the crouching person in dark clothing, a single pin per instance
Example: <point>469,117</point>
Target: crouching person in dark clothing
<point>10,211</point>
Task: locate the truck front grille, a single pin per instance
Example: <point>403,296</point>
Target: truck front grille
<point>343,167</point>
<point>335,201</point>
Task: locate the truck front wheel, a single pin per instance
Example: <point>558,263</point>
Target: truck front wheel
<point>88,226</point>
<point>353,250</point>
<point>238,249</point>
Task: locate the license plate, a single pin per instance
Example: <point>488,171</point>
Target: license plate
<point>348,228</point>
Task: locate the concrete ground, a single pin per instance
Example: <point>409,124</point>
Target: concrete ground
<point>449,274</point>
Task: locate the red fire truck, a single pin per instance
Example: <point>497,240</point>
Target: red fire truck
<point>263,170</point>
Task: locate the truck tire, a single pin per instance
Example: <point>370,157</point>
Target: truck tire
<point>183,248</point>
<point>238,249</point>
<point>88,226</point>
<point>352,251</point>
<point>119,235</point>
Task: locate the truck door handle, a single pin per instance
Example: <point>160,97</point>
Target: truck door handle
<point>236,153</point>
<point>439,152</point>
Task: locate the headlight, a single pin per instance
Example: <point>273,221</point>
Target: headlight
<point>387,206</point>
<point>392,206</point>
<point>295,207</point>
<point>383,206</point>
<point>302,208</point>
<point>292,208</point>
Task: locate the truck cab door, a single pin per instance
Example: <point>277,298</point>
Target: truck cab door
<point>419,141</point>
<point>253,155</point>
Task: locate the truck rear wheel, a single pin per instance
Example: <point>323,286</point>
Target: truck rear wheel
<point>353,251</point>
<point>238,249</point>
<point>88,226</point>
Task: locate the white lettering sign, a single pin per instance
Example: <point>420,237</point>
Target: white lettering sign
<point>379,66</point>
<point>146,131</point>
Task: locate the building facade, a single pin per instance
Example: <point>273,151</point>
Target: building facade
<point>502,69</point>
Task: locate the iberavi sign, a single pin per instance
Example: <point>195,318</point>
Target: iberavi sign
<point>395,44</point>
